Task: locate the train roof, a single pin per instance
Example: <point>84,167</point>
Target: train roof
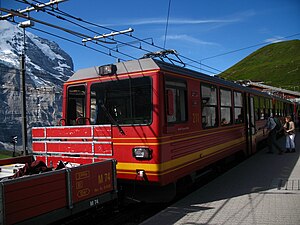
<point>147,64</point>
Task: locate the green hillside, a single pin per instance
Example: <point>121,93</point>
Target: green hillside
<point>276,64</point>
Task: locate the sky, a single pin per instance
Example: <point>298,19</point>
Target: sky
<point>209,36</point>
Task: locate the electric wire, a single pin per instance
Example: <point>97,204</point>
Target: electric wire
<point>77,43</point>
<point>167,24</point>
<point>58,11</point>
<point>252,46</point>
<point>74,42</point>
<point>138,39</point>
<point>82,35</point>
<point>75,33</point>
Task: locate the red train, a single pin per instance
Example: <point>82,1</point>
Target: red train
<point>161,122</point>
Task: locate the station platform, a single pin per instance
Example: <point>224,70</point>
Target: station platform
<point>262,190</point>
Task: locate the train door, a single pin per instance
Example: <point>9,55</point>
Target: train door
<point>250,126</point>
<point>76,112</point>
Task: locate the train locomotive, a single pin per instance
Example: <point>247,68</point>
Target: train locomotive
<point>162,123</point>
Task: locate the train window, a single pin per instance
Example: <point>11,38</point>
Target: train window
<point>281,111</point>
<point>226,107</point>
<point>256,108</point>
<point>238,107</point>
<point>94,108</point>
<point>176,100</point>
<point>277,106</point>
<point>268,108</point>
<point>122,101</point>
<point>209,106</point>
<point>262,108</point>
<point>76,105</point>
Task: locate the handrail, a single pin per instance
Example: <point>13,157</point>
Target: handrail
<point>83,118</point>
<point>60,122</point>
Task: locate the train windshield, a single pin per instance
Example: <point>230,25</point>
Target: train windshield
<point>123,101</point>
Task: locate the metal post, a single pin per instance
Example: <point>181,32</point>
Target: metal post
<point>23,97</point>
<point>14,141</point>
<point>24,25</point>
<point>14,152</point>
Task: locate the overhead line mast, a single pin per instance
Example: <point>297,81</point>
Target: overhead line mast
<point>112,34</point>
<point>24,25</point>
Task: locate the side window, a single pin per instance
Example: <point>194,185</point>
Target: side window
<point>209,106</point>
<point>262,108</point>
<point>238,108</point>
<point>281,109</point>
<point>94,107</point>
<point>226,107</point>
<point>256,108</point>
<point>276,108</point>
<point>176,100</point>
<point>268,108</point>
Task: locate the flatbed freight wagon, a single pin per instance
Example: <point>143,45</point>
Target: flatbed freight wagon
<point>53,195</point>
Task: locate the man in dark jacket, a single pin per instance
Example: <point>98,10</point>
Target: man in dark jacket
<point>272,140</point>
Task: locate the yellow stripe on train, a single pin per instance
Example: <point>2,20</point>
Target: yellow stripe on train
<point>178,163</point>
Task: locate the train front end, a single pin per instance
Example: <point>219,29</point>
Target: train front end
<point>110,111</point>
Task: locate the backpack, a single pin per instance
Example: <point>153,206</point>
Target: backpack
<point>278,126</point>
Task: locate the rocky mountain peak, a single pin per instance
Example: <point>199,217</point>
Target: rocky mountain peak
<point>47,67</point>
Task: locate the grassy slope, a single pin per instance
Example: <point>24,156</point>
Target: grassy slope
<point>276,64</point>
<point>5,154</point>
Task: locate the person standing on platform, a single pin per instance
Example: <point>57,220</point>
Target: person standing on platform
<point>289,131</point>
<point>272,140</point>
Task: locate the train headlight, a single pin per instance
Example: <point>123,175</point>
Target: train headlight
<point>142,153</point>
<point>107,70</point>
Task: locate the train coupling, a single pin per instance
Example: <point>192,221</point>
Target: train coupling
<point>142,174</point>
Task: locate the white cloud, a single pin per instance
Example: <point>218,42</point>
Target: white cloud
<point>275,39</point>
<point>155,21</point>
<point>187,38</point>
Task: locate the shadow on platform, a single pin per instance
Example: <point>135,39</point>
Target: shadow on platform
<point>260,174</point>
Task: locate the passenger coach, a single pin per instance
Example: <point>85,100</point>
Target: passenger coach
<point>161,122</point>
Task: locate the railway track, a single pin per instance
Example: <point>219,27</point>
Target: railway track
<point>133,213</point>
<point>129,214</point>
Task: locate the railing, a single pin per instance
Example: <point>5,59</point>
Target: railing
<point>85,141</point>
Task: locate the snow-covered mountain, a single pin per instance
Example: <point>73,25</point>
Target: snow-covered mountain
<point>47,67</point>
<point>42,55</point>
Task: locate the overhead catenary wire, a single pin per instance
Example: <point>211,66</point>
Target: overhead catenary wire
<point>123,43</point>
<point>251,46</point>
<point>78,43</point>
<point>58,11</point>
<point>35,7</point>
<point>138,39</point>
<point>167,23</point>
<point>99,26</point>
<point>75,33</point>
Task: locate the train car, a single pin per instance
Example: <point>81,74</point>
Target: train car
<point>161,122</point>
<point>43,198</point>
<point>297,114</point>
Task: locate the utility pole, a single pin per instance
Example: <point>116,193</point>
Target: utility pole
<point>24,25</point>
<point>14,141</point>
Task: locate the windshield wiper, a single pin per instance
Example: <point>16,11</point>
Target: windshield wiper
<point>111,119</point>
